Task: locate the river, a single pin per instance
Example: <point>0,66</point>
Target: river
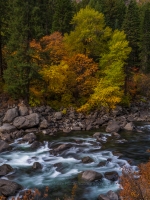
<point>60,172</point>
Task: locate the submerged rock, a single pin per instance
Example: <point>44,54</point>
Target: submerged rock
<point>9,188</point>
<point>87,159</point>
<point>112,176</point>
<point>110,195</point>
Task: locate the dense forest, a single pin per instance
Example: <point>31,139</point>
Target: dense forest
<point>84,54</point>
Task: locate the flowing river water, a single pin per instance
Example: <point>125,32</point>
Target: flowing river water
<point>60,171</point>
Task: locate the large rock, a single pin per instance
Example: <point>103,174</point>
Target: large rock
<point>113,126</point>
<point>9,188</point>
<point>90,176</point>
<point>112,176</point>
<point>58,115</point>
<point>129,126</point>
<point>7,128</point>
<point>44,124</point>
<point>10,115</point>
<point>30,137</point>
<point>5,169</point>
<point>23,110</point>
<point>108,196</point>
<point>28,121</point>
<point>4,146</point>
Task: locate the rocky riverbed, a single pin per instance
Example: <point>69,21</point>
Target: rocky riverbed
<point>69,160</point>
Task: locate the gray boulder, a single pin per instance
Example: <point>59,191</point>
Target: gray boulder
<point>110,195</point>
<point>30,137</point>
<point>4,146</point>
<point>7,128</point>
<point>129,126</point>
<point>28,121</point>
<point>23,110</point>
<point>97,134</point>
<point>113,126</point>
<point>62,147</point>
<point>44,124</point>
<point>9,188</point>
<point>10,115</point>
<point>5,169</point>
<point>58,115</point>
<point>90,176</point>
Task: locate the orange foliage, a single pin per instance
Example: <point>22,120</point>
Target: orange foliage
<point>136,185</point>
<point>49,49</point>
<point>82,74</point>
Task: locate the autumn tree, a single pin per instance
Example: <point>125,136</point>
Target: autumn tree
<point>109,90</point>
<point>82,77</point>
<point>89,36</point>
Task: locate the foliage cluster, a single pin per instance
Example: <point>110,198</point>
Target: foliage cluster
<point>69,53</point>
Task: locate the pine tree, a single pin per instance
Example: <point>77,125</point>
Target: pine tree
<point>62,16</point>
<point>145,40</point>
<point>131,26</point>
<point>20,69</point>
<point>114,12</point>
<point>3,32</point>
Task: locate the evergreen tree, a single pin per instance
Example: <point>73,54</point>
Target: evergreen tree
<point>145,40</point>
<point>20,69</point>
<point>62,16</point>
<point>131,26</point>
<point>114,12</point>
<point>3,32</point>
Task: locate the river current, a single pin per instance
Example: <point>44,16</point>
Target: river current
<point>60,172</point>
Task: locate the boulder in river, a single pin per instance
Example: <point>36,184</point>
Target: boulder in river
<point>9,188</point>
<point>4,146</point>
<point>30,137</point>
<point>110,195</point>
<point>112,176</point>
<point>90,176</point>
<point>28,121</point>
<point>113,126</point>
<point>129,126</point>
<point>5,169</point>
<point>36,145</point>
<point>87,159</point>
<point>37,165</point>
<point>62,147</point>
